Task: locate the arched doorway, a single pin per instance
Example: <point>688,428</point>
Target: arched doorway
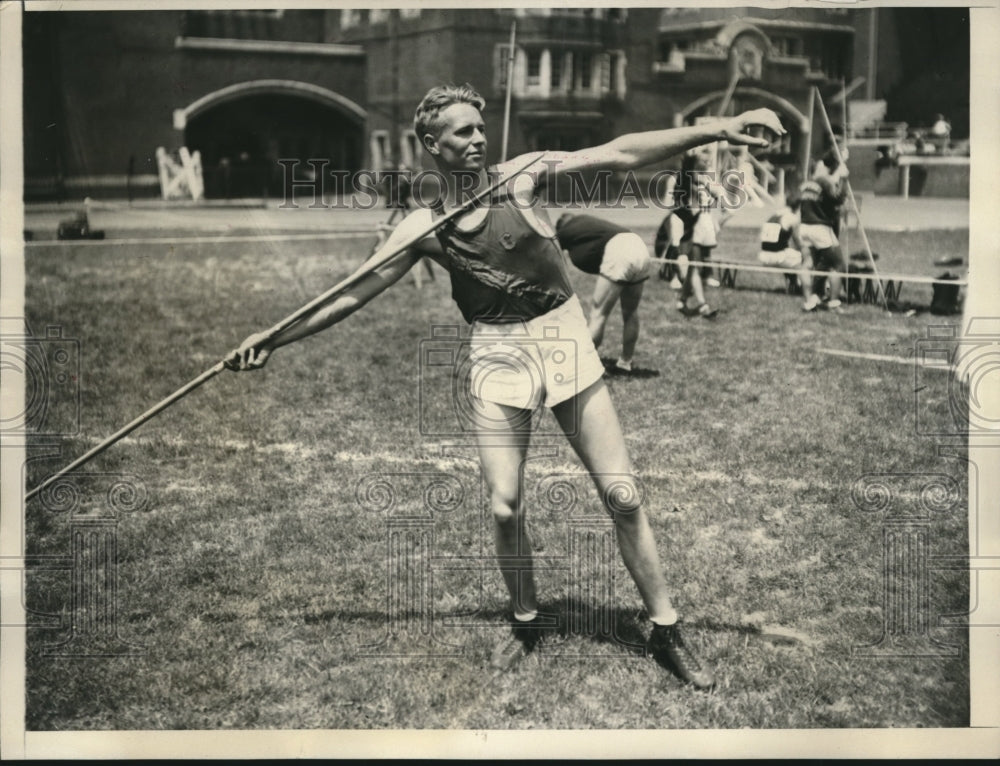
<point>243,131</point>
<point>785,153</point>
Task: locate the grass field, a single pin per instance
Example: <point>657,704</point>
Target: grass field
<point>314,551</point>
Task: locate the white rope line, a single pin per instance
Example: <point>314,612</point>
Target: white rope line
<point>930,364</point>
<point>810,272</point>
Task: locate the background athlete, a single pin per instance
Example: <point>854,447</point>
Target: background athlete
<point>820,200</point>
<point>509,279</point>
<point>620,259</point>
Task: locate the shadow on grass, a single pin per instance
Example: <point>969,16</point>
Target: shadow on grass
<point>564,621</point>
<point>611,370</point>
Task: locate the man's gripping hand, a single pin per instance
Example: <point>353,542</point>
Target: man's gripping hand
<point>251,355</point>
<point>733,132</point>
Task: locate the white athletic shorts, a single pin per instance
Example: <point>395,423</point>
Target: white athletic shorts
<point>818,236</point>
<point>545,360</point>
<point>789,258</point>
<point>626,259</point>
<point>705,229</point>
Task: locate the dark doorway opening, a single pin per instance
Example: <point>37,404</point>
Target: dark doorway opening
<point>242,140</point>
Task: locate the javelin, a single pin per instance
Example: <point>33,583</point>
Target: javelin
<point>284,324</point>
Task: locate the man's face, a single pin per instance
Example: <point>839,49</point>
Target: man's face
<point>461,143</point>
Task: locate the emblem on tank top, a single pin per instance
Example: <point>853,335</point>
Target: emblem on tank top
<point>508,241</point>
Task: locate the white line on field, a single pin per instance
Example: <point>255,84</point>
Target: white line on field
<point>221,239</point>
<point>933,364</point>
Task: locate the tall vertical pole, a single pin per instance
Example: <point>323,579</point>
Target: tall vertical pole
<point>872,54</point>
<point>846,132</point>
<point>854,202</point>
<point>510,85</point>
<point>394,133</point>
<point>807,145</point>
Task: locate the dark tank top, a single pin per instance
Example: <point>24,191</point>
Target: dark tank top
<point>503,270</point>
<point>584,238</point>
<point>819,203</point>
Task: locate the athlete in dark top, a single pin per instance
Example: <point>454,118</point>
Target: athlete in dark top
<point>821,198</point>
<point>620,259</point>
<point>584,238</point>
<point>502,270</point>
<point>450,125</point>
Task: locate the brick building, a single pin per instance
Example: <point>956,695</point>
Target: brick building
<point>104,89</point>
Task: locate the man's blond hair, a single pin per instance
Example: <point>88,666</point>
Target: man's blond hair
<point>427,120</point>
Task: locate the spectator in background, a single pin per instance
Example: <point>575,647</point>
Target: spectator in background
<point>673,243</point>
<point>701,193</point>
<point>941,127</point>
<point>779,242</point>
<point>820,200</point>
<point>941,132</point>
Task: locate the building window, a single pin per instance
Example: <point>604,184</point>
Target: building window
<point>556,72</point>
<point>585,67</point>
<point>617,73</point>
<point>786,46</point>
<point>380,151</point>
<point>409,13</point>
<point>377,15</point>
<point>233,25</point>
<point>534,70</point>
<point>409,149</point>
<point>349,18</point>
<point>604,64</point>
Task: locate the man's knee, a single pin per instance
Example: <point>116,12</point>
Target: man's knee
<point>505,505</point>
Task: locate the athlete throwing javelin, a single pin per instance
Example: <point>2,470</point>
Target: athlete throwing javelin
<point>510,282</point>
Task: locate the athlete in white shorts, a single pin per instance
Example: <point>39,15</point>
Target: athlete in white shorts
<point>505,269</point>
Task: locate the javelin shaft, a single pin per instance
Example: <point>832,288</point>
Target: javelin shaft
<point>854,201</point>
<point>279,327</point>
<point>126,430</point>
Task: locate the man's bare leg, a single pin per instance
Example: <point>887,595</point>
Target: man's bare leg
<point>592,427</point>
<point>503,435</point>
<point>630,298</point>
<point>605,297</point>
<point>693,286</point>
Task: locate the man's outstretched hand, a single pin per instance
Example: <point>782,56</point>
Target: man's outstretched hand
<point>251,355</point>
<point>734,129</point>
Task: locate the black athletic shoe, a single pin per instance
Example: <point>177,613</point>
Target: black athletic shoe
<point>524,638</point>
<point>668,648</point>
<point>707,312</point>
